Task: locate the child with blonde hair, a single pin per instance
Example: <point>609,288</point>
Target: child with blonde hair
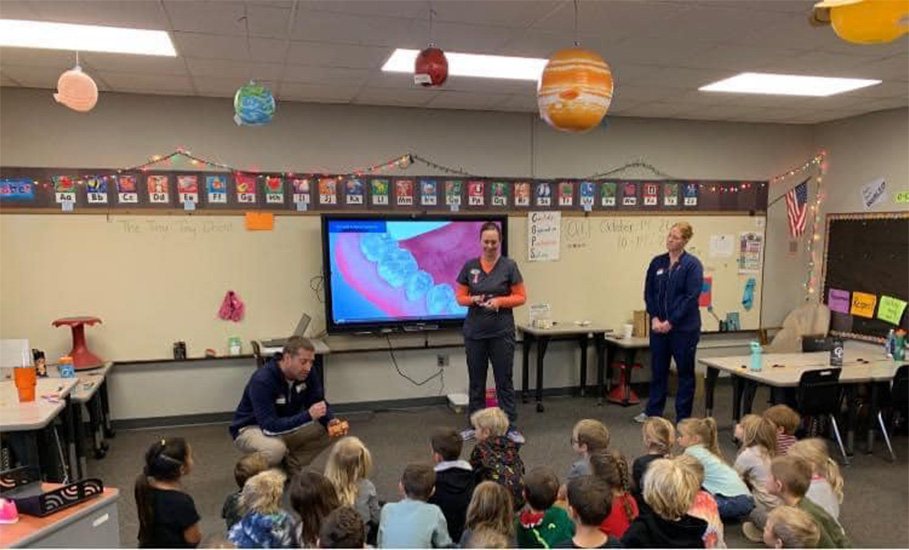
<point>348,468</point>
<point>669,492</point>
<point>790,527</point>
<point>790,477</point>
<point>826,489</point>
<point>758,438</point>
<point>787,422</point>
<point>490,508</point>
<point>611,467</point>
<point>698,437</point>
<point>496,457</point>
<point>264,524</point>
<point>659,436</point>
<point>704,505</point>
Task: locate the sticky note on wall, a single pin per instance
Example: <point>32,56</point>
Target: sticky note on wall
<point>838,300</point>
<point>863,304</point>
<point>260,221</point>
<point>891,309</point>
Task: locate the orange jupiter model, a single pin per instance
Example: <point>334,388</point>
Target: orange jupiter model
<point>575,90</point>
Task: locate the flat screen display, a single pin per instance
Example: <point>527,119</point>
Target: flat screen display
<point>397,272</point>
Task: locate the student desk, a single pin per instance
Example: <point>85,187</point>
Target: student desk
<point>91,391</point>
<point>630,346</point>
<point>34,416</point>
<point>567,331</point>
<point>876,369</point>
<point>90,524</point>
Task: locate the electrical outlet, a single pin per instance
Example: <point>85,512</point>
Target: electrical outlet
<point>441,360</point>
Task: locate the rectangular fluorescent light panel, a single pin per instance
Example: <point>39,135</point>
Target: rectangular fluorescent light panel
<point>84,38</point>
<point>784,84</point>
<point>476,65</point>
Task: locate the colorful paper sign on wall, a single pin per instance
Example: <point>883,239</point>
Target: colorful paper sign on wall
<point>691,194</point>
<point>706,297</point>
<point>629,194</point>
<point>274,190</point>
<point>188,188</point>
<point>16,189</point>
<point>328,191</point>
<point>404,192</point>
<point>863,304</point>
<point>454,189</point>
<point>127,190</point>
<point>216,189</point>
<point>96,189</point>
<point>246,188</point>
<point>891,309</point>
<point>566,193</point>
<point>586,193</point>
<point>838,300</point>
<point>429,193</point>
<point>650,194</point>
<point>670,194</point>
<point>260,221</point>
<point>158,189</point>
<point>354,192</point>
<point>64,189</point>
<point>522,194</point>
<point>476,193</point>
<point>378,191</point>
<point>499,194</point>
<point>543,193</point>
<point>608,190</point>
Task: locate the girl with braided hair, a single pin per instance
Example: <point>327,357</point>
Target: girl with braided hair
<point>611,467</point>
<point>167,514</point>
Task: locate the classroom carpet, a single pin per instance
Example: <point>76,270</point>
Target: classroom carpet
<point>874,511</point>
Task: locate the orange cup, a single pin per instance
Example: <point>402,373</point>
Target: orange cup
<point>26,380</point>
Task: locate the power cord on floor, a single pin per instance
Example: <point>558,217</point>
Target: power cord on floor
<point>440,374</point>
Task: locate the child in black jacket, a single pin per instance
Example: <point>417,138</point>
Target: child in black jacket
<point>454,479</point>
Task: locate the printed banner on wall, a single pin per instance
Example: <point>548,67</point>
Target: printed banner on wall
<point>379,189</point>
<point>96,189</point>
<point>354,192</point>
<point>404,192</point>
<point>17,189</point>
<point>188,188</point>
<point>608,194</point>
<point>274,190</point>
<point>246,188</point>
<point>158,189</point>
<point>429,192</point>
<point>670,194</point>
<point>476,193</point>
<point>216,188</point>
<point>127,189</point>
<point>454,190</point>
<point>328,191</point>
<point>499,194</point>
<point>566,194</point>
<point>691,194</point>
<point>522,194</point>
<point>629,193</point>
<point>586,194</point>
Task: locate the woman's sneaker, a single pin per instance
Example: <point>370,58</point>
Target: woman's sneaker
<point>751,532</point>
<point>641,418</point>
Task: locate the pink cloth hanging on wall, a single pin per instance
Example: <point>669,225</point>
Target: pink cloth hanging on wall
<point>232,307</point>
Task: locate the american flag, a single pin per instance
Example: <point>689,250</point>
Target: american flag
<point>797,208</point>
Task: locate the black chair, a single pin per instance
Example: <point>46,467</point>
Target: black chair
<point>820,393</point>
<point>257,354</point>
<point>897,400</point>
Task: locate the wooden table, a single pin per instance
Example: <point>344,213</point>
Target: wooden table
<point>783,370</point>
<point>52,397</point>
<point>90,524</point>
<point>561,331</point>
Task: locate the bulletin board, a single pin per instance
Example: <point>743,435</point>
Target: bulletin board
<point>155,279</point>
<point>866,273</point>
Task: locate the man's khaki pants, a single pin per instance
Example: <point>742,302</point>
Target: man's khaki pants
<point>298,448</point>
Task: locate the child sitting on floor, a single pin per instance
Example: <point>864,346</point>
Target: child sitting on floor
<point>787,422</point>
<point>758,438</point>
<point>790,527</point>
<point>496,457</point>
<point>542,525</point>
<point>611,467</point>
<point>412,522</point>
<point>589,502</point>
<point>248,466</point>
<point>454,479</point>
<point>264,524</point>
<point>826,489</point>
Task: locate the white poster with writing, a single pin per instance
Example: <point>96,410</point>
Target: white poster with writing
<point>543,236</point>
<point>874,193</point>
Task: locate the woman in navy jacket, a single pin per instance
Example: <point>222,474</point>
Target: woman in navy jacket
<point>671,291</point>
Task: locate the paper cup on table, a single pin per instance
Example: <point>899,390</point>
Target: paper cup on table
<point>26,379</point>
<point>627,330</point>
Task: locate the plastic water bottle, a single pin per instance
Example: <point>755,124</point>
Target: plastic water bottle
<point>756,359</point>
<point>889,344</point>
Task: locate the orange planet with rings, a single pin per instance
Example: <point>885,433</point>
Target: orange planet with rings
<point>575,90</point>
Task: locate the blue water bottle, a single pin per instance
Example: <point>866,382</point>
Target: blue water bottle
<point>756,360</point>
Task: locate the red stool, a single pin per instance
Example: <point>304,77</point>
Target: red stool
<point>622,393</point>
<point>82,358</point>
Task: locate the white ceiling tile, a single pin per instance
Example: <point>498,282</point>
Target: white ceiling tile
<point>817,63</point>
<point>673,77</point>
<point>668,53</point>
<point>337,55</point>
<point>387,8</point>
<point>317,93</point>
<point>149,64</point>
<point>140,14</point>
<point>32,76</point>
<point>142,83</point>
<point>461,37</point>
<point>384,96</point>
<point>207,16</point>
<point>211,46</point>
<point>613,19</point>
<point>37,57</point>
<point>447,99</point>
<point>224,86</point>
<point>741,58</point>
<point>267,21</point>
<point>895,67</point>
<point>488,85</point>
<point>324,75</point>
<point>355,29</point>
<point>269,50</point>
<point>242,70</point>
<point>503,13</point>
<point>19,9</point>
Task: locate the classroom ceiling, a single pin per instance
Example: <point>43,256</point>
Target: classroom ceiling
<point>331,51</point>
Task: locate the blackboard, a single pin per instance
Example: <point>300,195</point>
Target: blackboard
<point>867,253</point>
